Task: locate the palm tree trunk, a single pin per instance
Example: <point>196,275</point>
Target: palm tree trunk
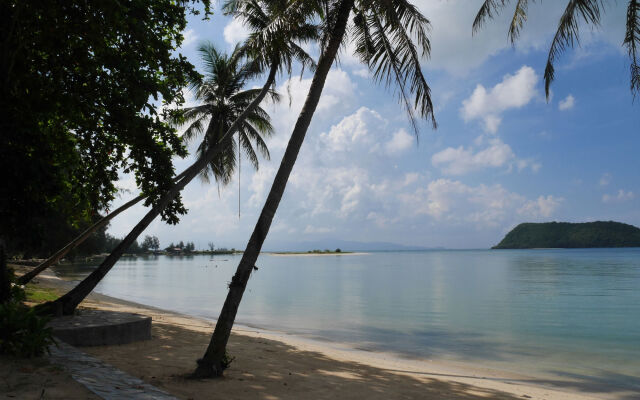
<point>67,304</point>
<point>58,255</point>
<point>212,364</point>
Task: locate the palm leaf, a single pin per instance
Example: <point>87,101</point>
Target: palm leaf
<point>632,42</point>
<point>488,10</point>
<point>518,20</point>
<point>568,33</point>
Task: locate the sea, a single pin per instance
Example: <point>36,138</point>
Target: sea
<point>562,315</point>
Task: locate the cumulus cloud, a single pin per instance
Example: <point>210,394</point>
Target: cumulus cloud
<point>541,207</point>
<point>366,132</point>
<point>567,103</point>
<point>619,197</point>
<point>461,160</point>
<point>235,32</point>
<point>605,179</point>
<point>337,96</point>
<point>483,205</point>
<point>190,36</point>
<point>515,91</point>
<point>353,130</point>
<point>400,141</point>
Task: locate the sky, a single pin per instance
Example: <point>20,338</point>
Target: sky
<point>501,155</point>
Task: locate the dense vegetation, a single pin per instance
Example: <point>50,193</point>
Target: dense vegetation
<point>571,235</point>
<point>81,93</point>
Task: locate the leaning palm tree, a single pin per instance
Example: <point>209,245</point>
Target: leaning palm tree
<point>223,72</point>
<point>390,38</point>
<point>274,49</point>
<point>222,101</point>
<point>568,32</point>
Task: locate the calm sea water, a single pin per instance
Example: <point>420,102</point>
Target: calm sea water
<point>572,314</point>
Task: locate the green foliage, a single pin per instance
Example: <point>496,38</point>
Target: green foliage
<point>226,360</point>
<point>150,243</point>
<point>81,91</point>
<point>571,235</point>
<point>22,332</point>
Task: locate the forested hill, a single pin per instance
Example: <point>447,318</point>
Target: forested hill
<point>571,235</point>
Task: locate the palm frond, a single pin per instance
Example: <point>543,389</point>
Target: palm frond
<point>245,144</point>
<point>254,135</point>
<point>568,33</point>
<point>632,42</point>
<point>489,9</point>
<point>386,44</point>
<point>195,129</point>
<point>518,20</point>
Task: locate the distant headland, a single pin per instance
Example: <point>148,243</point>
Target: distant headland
<point>571,235</point>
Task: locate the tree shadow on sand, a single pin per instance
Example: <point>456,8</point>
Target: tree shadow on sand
<point>268,369</point>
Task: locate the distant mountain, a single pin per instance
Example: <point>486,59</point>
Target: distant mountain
<point>345,245</point>
<point>571,235</point>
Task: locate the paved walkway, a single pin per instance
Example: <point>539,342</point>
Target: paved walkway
<point>101,378</point>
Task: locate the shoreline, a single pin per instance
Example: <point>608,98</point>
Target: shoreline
<point>294,254</point>
<point>333,363</point>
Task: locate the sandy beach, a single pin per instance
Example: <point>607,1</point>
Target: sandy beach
<point>272,365</point>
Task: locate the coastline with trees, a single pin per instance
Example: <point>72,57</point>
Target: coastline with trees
<point>91,91</point>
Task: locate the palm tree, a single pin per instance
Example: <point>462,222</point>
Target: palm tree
<point>390,38</point>
<point>222,101</point>
<point>223,166</point>
<point>270,49</point>
<point>568,32</point>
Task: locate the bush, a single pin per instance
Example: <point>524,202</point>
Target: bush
<point>22,332</point>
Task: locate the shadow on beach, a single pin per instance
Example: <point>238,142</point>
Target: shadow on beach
<point>268,369</point>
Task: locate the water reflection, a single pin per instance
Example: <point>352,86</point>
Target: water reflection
<point>570,310</point>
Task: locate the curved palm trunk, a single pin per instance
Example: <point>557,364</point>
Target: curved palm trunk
<point>58,255</point>
<point>212,363</point>
<point>67,304</point>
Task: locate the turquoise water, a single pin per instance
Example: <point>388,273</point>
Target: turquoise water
<point>564,313</point>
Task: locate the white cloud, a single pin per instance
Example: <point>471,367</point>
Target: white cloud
<point>366,133</point>
<point>353,130</point>
<point>460,160</point>
<point>541,207</point>
<point>400,142</point>
<point>235,32</point>
<point>362,72</point>
<point>482,205</point>
<point>605,179</point>
<point>337,96</point>
<point>190,36</point>
<point>515,91</point>
<point>619,197</point>
<point>567,103</point>
<point>410,178</point>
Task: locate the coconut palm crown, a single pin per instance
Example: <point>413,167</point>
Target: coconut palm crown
<point>220,92</point>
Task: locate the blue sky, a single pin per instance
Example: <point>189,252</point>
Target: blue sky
<point>501,155</point>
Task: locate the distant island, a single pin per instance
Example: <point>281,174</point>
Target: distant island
<point>571,235</point>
